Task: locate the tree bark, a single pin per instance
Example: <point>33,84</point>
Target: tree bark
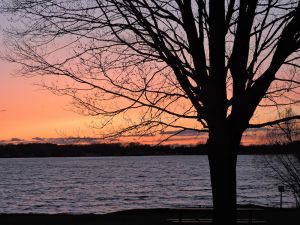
<point>222,155</point>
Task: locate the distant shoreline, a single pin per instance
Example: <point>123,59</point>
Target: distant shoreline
<point>101,150</point>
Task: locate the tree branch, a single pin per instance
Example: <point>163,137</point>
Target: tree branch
<point>274,122</point>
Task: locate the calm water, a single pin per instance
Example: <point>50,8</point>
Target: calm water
<point>101,185</point>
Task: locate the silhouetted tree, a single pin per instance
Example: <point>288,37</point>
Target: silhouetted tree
<point>192,64</point>
<point>286,166</point>
<point>285,132</point>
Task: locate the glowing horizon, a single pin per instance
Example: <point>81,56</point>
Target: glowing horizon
<point>27,111</point>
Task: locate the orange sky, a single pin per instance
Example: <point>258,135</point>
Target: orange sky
<point>27,111</point>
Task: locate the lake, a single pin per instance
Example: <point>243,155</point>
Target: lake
<point>107,184</point>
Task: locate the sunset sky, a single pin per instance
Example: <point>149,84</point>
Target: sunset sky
<point>27,111</point>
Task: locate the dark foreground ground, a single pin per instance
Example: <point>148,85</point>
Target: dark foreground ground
<point>246,215</point>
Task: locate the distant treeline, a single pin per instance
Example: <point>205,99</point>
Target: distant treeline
<point>53,150</point>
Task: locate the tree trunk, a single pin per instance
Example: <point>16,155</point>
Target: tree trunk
<point>222,155</point>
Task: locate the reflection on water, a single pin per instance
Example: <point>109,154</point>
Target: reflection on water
<point>100,185</point>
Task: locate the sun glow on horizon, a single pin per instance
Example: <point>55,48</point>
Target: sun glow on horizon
<point>27,111</point>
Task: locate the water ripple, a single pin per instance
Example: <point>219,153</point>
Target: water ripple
<point>101,185</point>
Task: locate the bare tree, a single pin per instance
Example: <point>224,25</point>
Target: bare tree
<point>206,65</point>
<point>286,166</point>
<point>287,172</point>
<point>285,132</point>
